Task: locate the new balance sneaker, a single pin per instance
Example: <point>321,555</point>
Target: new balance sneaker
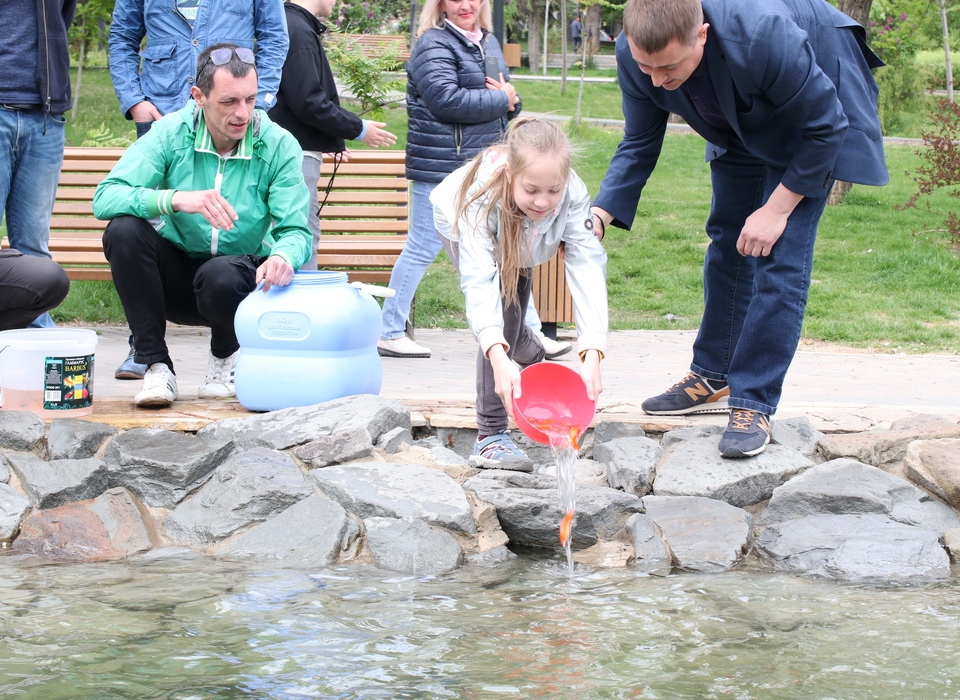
<point>554,348</point>
<point>692,394</point>
<point>747,434</point>
<point>159,387</point>
<point>401,347</point>
<point>499,452</point>
<point>218,384</point>
<point>130,368</point>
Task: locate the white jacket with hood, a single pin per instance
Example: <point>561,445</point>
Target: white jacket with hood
<point>570,223</point>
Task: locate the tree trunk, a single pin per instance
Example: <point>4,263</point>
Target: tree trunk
<point>546,34</point>
<point>946,47</point>
<point>591,29</point>
<point>858,10</point>
<point>534,21</point>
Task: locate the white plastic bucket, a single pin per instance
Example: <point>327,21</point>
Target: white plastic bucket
<point>47,371</point>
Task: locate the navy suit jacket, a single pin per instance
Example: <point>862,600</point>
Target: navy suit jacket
<point>793,80</point>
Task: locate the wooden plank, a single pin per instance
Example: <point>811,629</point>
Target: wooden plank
<point>369,260</point>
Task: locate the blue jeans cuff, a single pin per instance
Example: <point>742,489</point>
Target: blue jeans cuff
<point>707,374</point>
<point>751,406</point>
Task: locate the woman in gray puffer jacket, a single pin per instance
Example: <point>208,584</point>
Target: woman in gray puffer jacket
<point>454,111</point>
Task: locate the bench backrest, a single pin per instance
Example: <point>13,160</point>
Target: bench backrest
<point>364,221</point>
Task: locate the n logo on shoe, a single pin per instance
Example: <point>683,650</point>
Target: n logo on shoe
<point>699,390</point>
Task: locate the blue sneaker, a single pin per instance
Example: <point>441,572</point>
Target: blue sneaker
<point>130,369</point>
<point>747,434</point>
<point>499,452</point>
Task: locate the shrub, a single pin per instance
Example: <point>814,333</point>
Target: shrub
<point>942,165</point>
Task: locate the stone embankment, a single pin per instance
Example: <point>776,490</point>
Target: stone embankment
<point>347,481</point>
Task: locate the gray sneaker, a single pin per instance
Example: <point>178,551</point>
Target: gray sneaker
<point>499,452</point>
<point>747,434</point>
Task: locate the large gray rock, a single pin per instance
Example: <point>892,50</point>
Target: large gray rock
<point>630,461</point>
<point>589,471</point>
<point>391,440</point>
<point>703,534</point>
<point>690,433</point>
<point>651,551</point>
<point>607,430</point>
<point>21,431</point>
<point>845,486</point>
<point>528,507</point>
<point>342,446</point>
<point>73,438</point>
<point>281,430</point>
<point>110,526</point>
<point>887,446</point>
<point>695,468</point>
<point>411,546</point>
<point>795,433</point>
<point>60,481</point>
<point>249,488</point>
<point>853,547</point>
<point>392,490</point>
<point>161,467</point>
<point>4,470</point>
<point>935,465</point>
<point>13,507</point>
<point>315,530</point>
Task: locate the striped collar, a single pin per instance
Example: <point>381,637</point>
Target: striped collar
<point>203,141</point>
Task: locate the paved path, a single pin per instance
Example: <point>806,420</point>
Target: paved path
<point>839,392</point>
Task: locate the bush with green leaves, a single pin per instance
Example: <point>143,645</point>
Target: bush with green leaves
<point>368,78</point>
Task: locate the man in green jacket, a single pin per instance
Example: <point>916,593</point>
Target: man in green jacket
<point>206,206</point>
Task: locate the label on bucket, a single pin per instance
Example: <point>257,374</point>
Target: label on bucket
<point>67,382</point>
<point>284,325</point>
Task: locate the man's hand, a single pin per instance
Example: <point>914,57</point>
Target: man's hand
<point>343,155</point>
<point>763,228</point>
<point>377,136</point>
<point>506,377</point>
<point>274,270</point>
<point>145,112</point>
<point>511,91</point>
<point>209,203</point>
<point>600,216</point>
<point>590,373</point>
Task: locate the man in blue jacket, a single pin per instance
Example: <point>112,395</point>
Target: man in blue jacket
<point>782,92</point>
<point>34,94</point>
<point>158,80</point>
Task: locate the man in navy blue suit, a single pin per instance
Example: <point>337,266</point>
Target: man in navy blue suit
<point>782,92</point>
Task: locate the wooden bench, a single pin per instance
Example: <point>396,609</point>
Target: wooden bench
<point>364,222</point>
<point>378,44</point>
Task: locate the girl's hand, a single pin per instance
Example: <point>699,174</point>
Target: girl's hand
<point>506,377</point>
<point>590,373</point>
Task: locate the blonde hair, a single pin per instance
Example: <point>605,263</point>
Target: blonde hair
<point>528,141</point>
<point>432,16</point>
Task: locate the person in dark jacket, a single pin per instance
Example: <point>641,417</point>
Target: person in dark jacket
<point>34,94</point>
<point>309,108</point>
<point>454,111</point>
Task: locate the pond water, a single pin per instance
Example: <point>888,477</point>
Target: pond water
<point>184,627</point>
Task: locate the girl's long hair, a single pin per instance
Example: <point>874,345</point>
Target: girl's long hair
<point>528,141</point>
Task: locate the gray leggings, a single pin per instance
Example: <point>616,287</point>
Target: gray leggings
<point>525,349</point>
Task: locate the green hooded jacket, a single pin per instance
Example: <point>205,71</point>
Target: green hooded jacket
<point>261,180</point>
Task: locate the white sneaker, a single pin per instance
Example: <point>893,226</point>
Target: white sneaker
<point>159,386</point>
<point>218,384</point>
<point>554,348</point>
<point>401,347</point>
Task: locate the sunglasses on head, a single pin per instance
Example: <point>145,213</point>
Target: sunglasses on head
<point>222,56</point>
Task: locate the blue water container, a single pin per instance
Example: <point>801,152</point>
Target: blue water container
<point>311,341</point>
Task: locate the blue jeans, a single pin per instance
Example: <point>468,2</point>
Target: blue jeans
<point>421,249</point>
<point>31,153</point>
<point>753,307</point>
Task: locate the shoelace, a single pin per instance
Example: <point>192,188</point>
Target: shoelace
<point>156,380</point>
<point>683,381</point>
<point>741,419</point>
<point>217,373</point>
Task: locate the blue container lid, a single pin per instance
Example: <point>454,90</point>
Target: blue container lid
<point>319,278</point>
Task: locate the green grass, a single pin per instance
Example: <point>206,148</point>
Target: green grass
<point>876,285</point>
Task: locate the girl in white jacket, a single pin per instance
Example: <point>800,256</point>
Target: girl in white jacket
<point>500,215</point>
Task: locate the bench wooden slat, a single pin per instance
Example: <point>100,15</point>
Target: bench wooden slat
<point>364,222</point>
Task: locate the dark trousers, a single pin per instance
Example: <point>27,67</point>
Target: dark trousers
<point>158,282</point>
<point>525,349</point>
<point>753,307</point>
<point>29,286</point>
